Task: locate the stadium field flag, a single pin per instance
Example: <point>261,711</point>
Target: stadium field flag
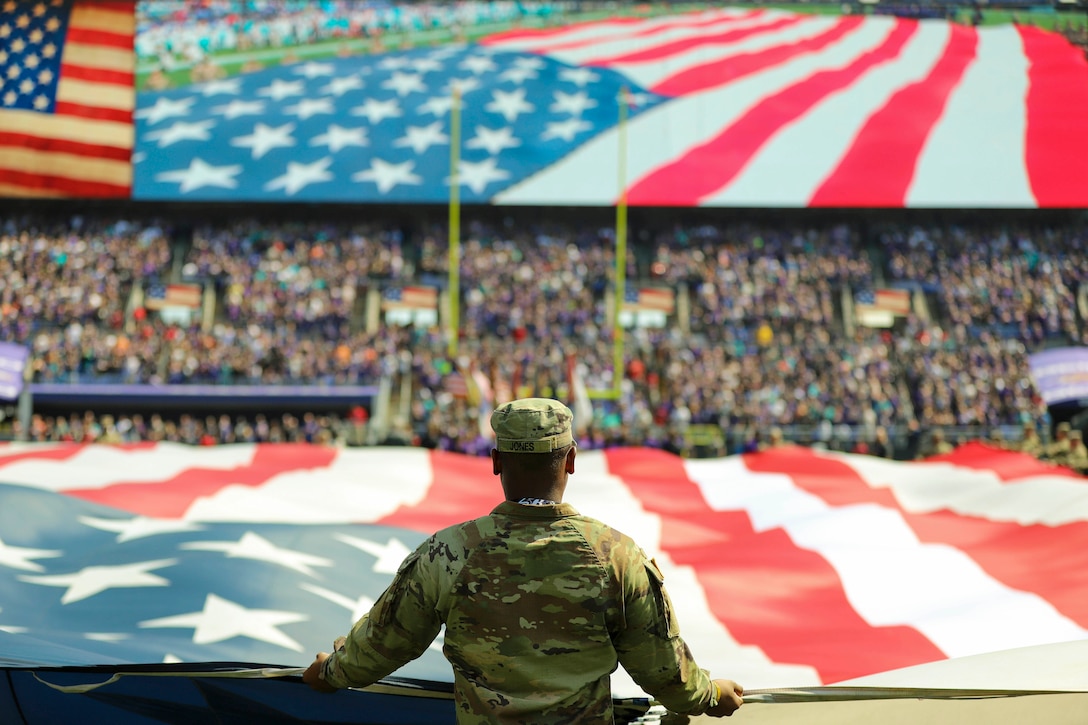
<point>787,568</point>
<point>67,98</point>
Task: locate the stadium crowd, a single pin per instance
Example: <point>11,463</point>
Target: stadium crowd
<point>762,342</point>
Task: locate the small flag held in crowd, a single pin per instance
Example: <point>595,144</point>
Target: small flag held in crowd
<point>879,308</point>
<point>410,298</point>
<point>160,296</point>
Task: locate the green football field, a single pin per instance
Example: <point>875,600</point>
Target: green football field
<point>232,62</point>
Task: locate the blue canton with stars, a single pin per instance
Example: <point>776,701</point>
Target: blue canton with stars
<point>372,128</point>
<point>108,586</point>
<point>31,43</point>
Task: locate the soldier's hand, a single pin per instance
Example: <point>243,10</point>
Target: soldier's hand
<point>312,675</point>
<point>730,701</point>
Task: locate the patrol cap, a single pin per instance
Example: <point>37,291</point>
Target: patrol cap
<point>532,425</point>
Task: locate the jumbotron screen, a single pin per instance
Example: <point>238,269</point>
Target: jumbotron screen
<point>534,104</point>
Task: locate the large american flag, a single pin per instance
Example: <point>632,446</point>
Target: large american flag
<point>726,107</point>
<point>789,567</point>
<point>66,98</point>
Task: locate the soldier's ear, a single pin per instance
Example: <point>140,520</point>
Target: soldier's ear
<point>496,462</point>
<point>569,463</point>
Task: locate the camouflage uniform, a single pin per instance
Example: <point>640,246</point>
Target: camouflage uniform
<point>540,603</point>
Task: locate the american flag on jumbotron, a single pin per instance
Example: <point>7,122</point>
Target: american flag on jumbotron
<point>649,299</point>
<point>891,301</point>
<point>66,98</point>
<point>728,107</point>
<point>410,298</point>
<point>789,567</point>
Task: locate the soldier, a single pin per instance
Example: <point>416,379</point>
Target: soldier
<point>1030,442</point>
<point>1059,447</point>
<point>1077,457</point>
<point>539,602</point>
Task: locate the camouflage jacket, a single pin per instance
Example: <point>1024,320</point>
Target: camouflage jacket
<point>540,604</point>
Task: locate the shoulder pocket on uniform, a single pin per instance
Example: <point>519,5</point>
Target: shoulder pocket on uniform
<point>384,615</point>
<point>666,625</point>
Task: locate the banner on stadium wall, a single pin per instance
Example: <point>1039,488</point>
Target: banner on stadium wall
<point>12,366</point>
<point>1061,374</point>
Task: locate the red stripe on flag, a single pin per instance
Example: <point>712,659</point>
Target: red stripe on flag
<point>729,70</point>
<point>73,187</point>
<point>469,490</point>
<point>646,33</point>
<point>880,164</point>
<point>1057,104</point>
<point>173,497</point>
<point>90,36</point>
<point>712,166</point>
<point>64,108</point>
<point>62,453</point>
<point>1006,465</point>
<point>97,75</point>
<point>22,140</point>
<point>751,579</point>
<point>679,46</point>
<point>1019,556</point>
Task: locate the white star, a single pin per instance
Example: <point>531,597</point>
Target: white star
<point>565,130</point>
<point>310,107</point>
<point>462,85</point>
<point>578,76</point>
<point>93,580</point>
<point>493,139</point>
<point>405,83</point>
<point>106,636</point>
<point>387,175</point>
<point>281,89</point>
<point>376,110</point>
<point>394,62</point>
<point>529,63</point>
<point>357,607</point>
<point>222,619</point>
<point>477,176</point>
<point>237,108</point>
<point>299,176</point>
<point>425,65</point>
<point>255,546</point>
<point>200,174</point>
<point>18,557</point>
<point>181,131</point>
<point>421,138</point>
<point>438,105</point>
<point>140,526</point>
<point>165,108</point>
<point>313,70</point>
<point>339,86</point>
<point>389,555</point>
<point>477,64</point>
<point>517,75</point>
<point>226,85</point>
<point>639,99</point>
<point>265,138</point>
<point>510,105</point>
<point>572,103</point>
<point>338,137</point>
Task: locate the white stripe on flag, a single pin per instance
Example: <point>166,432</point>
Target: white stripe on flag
<point>597,493</point>
<point>780,176</point>
<point>927,487</point>
<point>588,175</point>
<point>975,153</point>
<point>359,486</point>
<point>622,46</point>
<point>894,579</point>
<point>651,73</point>
<point>98,466</point>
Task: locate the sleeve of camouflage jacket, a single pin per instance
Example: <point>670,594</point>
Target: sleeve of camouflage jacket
<point>398,628</point>
<point>649,644</point>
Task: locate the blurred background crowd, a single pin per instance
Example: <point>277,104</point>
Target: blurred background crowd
<point>763,346</point>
